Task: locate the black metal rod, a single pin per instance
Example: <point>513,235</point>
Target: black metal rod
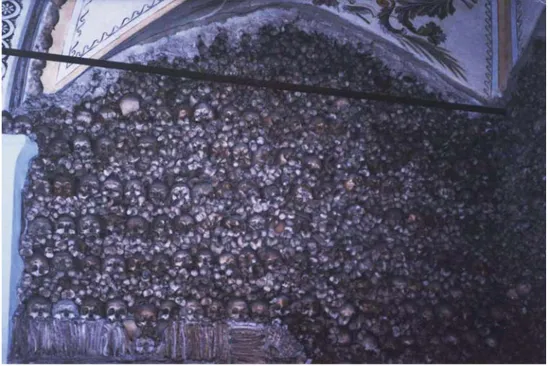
<point>195,75</point>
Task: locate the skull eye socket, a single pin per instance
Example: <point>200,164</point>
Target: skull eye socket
<point>85,310</point>
<point>35,268</point>
<point>111,312</point>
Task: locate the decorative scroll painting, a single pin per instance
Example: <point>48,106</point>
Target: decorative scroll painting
<point>460,39</point>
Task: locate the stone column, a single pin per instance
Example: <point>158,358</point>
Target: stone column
<point>17,152</point>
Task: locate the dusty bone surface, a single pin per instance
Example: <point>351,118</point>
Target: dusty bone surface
<point>373,232</point>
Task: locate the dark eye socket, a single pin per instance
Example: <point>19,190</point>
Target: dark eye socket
<point>121,311</point>
<point>111,311</point>
<point>85,310</point>
<point>35,267</point>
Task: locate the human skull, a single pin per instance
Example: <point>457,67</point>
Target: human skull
<point>135,263</point>
<point>42,188</point>
<point>38,307</point>
<point>63,262</point>
<point>91,263</point>
<point>345,314</point>
<point>259,310</point>
<point>82,146</point>
<point>192,310</point>
<point>237,309</point>
<point>114,265</point>
<point>183,223</point>
<point>279,306</point>
<point>145,315</point>
<point>182,259</point>
<point>160,263</point>
<point>65,226</point>
<point>41,229</point>
<point>168,309</point>
<point>63,186</point>
<point>158,193</point>
<point>65,310</point>
<point>162,227</point>
<point>137,227</point>
<point>116,310</point>
<point>37,265</point>
<point>90,226</point>
<point>147,146</point>
<point>59,147</point>
<point>92,309</point>
<point>204,258</point>
<point>104,147</point>
<point>216,310</point>
<point>134,192</point>
<point>112,189</point>
<point>89,186</point>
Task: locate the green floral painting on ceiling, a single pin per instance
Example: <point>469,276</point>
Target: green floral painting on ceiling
<point>396,18</point>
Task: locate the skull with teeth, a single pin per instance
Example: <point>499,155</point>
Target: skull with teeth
<point>89,186</point>
<point>162,228</point>
<point>92,309</point>
<point>63,262</point>
<point>65,310</point>
<point>158,193</point>
<point>137,227</point>
<point>112,189</point>
<point>134,192</point>
<point>91,263</point>
<point>182,259</point>
<point>114,265</point>
<point>192,310</point>
<point>63,186</point>
<point>38,307</point>
<point>65,226</point>
<point>104,147</point>
<point>168,310</point>
<point>116,310</point>
<point>180,195</point>
<point>37,265</point>
<point>248,262</point>
<point>82,146</point>
<point>183,223</point>
<point>237,309</point>
<point>40,229</point>
<point>90,227</point>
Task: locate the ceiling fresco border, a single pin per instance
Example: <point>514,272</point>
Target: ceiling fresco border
<point>415,26</point>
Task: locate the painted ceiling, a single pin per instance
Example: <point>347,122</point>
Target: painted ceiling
<point>472,43</point>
